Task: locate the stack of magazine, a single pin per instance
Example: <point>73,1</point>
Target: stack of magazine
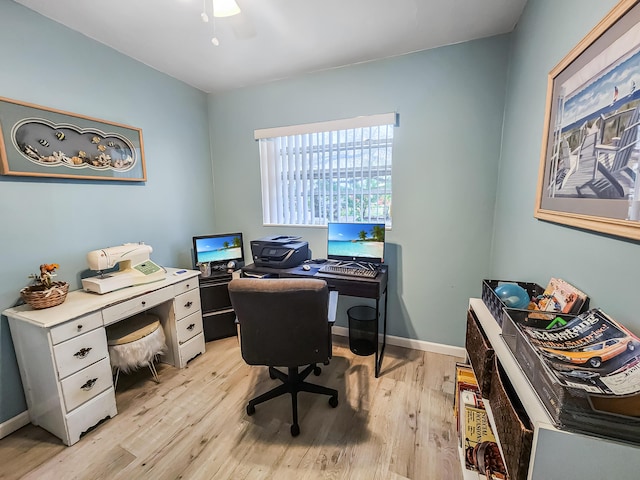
<point>585,368</point>
<point>591,352</point>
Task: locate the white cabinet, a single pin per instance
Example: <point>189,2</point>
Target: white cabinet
<point>63,356</point>
<point>557,454</point>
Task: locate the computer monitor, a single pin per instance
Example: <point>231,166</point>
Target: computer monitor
<point>356,242</point>
<point>219,248</point>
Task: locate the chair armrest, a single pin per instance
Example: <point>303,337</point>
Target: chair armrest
<point>333,305</point>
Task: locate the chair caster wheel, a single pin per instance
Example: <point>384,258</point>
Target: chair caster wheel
<point>317,371</point>
<point>333,401</point>
<point>295,430</point>
<point>251,409</point>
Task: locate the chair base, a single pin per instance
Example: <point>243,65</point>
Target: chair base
<point>292,383</point>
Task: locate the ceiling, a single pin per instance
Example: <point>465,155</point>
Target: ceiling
<point>274,39</point>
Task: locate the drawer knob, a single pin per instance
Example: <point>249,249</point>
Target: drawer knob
<point>191,326</point>
<point>83,352</point>
<point>188,304</point>
<point>80,327</point>
<point>144,303</point>
<point>89,385</point>
<point>187,285</point>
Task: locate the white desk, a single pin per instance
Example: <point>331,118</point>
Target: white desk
<point>62,351</point>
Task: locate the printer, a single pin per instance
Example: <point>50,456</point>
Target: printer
<point>279,251</point>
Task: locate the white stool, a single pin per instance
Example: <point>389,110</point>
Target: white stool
<point>135,342</point>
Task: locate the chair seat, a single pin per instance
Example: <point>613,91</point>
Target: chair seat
<point>132,329</point>
<point>135,342</point>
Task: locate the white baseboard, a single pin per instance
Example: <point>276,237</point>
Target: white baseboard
<point>14,424</point>
<point>414,344</point>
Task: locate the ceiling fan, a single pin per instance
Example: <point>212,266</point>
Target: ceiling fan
<point>229,11</point>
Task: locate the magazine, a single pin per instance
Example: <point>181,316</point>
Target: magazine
<point>591,352</point>
<point>559,296</point>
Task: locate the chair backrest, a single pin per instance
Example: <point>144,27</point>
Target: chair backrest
<point>283,322</point>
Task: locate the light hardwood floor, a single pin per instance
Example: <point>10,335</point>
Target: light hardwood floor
<point>193,425</point>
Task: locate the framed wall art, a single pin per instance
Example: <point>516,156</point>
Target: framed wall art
<point>588,176</point>
<point>37,141</point>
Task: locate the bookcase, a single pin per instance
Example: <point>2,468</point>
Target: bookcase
<point>555,453</point>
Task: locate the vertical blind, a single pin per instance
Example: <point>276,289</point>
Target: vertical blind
<point>338,171</point>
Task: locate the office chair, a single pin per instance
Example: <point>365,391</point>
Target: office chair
<point>285,323</point>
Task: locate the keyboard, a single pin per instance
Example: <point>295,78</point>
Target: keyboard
<point>348,271</point>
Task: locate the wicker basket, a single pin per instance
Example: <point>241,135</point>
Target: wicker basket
<point>45,298</point>
<point>513,427</point>
<point>480,353</point>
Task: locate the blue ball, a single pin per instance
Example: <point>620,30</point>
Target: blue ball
<point>512,295</point>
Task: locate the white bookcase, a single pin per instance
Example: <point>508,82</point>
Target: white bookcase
<point>556,454</point>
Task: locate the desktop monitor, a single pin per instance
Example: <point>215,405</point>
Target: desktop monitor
<point>356,242</point>
<point>220,248</point>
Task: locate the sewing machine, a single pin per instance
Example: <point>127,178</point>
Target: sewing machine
<point>134,268</point>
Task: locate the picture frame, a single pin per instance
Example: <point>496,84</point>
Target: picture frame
<point>589,164</point>
<point>37,141</point>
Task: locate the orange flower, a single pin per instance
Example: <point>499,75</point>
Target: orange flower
<point>50,267</point>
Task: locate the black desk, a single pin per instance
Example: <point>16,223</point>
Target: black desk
<point>362,287</point>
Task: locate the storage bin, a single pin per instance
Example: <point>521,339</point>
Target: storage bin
<point>493,302</point>
<point>480,353</point>
<point>513,427</point>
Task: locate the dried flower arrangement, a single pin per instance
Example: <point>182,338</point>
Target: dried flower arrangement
<point>45,292</point>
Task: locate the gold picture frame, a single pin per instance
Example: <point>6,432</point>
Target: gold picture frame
<point>37,141</point>
<point>589,168</point>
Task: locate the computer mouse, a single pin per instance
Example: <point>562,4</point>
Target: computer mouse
<point>306,268</point>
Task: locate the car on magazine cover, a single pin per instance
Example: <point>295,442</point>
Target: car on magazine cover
<point>574,373</point>
<point>593,355</point>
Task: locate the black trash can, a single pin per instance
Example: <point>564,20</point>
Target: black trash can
<point>363,329</point>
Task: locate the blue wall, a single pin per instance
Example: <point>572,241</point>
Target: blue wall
<point>528,249</point>
<point>46,221</point>
<point>445,165</point>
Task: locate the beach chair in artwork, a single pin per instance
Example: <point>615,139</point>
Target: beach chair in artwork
<point>613,174</point>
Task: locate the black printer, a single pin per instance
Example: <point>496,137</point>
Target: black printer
<point>279,251</point>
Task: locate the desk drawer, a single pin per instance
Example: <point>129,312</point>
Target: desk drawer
<point>89,414</point>
<point>185,286</point>
<point>80,352</point>
<point>189,326</point>
<point>191,349</point>
<point>86,384</point>
<point>187,303</point>
<point>136,305</point>
<point>75,327</point>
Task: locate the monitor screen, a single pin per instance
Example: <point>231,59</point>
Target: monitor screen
<point>218,248</point>
<point>356,242</point>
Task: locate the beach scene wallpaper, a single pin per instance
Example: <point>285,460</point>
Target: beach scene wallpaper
<point>365,240</point>
<point>594,130</point>
<point>218,249</point>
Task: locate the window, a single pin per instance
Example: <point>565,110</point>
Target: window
<point>338,171</point>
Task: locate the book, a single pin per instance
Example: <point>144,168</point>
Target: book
<point>559,296</point>
<point>476,430</point>
<point>467,391</point>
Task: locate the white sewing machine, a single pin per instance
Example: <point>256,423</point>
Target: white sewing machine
<point>135,268</point>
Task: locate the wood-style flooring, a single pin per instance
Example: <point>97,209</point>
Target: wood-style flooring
<point>193,425</point>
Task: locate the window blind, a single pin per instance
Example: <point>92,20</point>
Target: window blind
<point>327,172</point>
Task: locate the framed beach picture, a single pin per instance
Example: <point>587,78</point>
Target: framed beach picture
<point>588,176</point>
<point>37,141</point>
